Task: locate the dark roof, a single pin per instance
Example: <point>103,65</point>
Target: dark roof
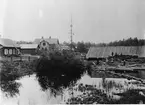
<point>8,43</point>
<point>49,40</point>
<point>98,52</point>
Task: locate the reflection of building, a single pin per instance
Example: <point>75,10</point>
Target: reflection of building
<point>8,48</point>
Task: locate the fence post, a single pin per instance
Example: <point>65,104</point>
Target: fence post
<point>11,58</point>
<point>20,58</point>
<point>29,58</point>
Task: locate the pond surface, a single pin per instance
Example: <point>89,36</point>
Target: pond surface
<point>31,93</point>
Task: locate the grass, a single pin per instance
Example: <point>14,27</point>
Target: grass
<point>131,96</point>
<point>91,95</point>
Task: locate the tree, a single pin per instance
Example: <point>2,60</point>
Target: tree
<point>125,42</point>
<point>81,47</point>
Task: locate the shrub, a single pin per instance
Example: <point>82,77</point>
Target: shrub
<point>9,73</point>
<point>60,70</point>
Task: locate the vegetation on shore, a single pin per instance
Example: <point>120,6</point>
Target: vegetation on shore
<point>11,71</point>
<point>55,70</point>
<point>59,70</point>
<point>93,95</point>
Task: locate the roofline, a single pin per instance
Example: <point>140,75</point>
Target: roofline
<point>11,46</point>
<point>28,48</point>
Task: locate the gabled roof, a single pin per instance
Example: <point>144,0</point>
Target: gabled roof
<point>28,46</point>
<point>98,52</point>
<point>49,40</point>
<point>8,43</point>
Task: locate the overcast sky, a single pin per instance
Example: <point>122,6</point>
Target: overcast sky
<point>93,20</point>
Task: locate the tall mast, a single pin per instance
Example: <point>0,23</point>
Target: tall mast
<point>71,33</point>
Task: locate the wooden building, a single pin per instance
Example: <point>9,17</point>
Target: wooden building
<point>29,49</point>
<point>103,52</point>
<point>47,44</point>
<point>9,48</point>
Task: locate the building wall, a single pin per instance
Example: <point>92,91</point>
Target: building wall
<point>43,45</point>
<point>9,51</point>
<point>29,51</point>
<point>1,52</point>
<point>97,52</point>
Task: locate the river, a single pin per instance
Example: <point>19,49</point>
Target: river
<point>31,93</point>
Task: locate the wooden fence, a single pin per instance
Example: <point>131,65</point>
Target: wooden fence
<point>20,58</point>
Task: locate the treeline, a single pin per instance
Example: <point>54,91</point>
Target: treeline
<point>125,42</point>
<point>81,47</point>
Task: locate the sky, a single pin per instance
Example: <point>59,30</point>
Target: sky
<point>93,20</point>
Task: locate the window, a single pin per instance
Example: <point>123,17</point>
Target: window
<point>44,44</point>
<point>18,51</point>
<point>10,51</point>
<point>6,51</point>
<point>14,51</point>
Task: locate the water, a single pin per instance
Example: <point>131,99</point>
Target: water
<point>31,93</point>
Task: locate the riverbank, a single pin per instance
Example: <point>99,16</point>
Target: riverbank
<point>12,71</point>
<point>61,72</point>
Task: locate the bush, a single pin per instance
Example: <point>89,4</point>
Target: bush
<point>11,71</point>
<point>59,70</point>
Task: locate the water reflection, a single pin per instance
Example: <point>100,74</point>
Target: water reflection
<point>58,74</point>
<point>30,93</point>
<point>59,84</point>
<point>110,86</point>
<point>107,89</point>
<point>8,75</point>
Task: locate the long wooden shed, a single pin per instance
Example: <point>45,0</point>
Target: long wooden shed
<point>103,52</point>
